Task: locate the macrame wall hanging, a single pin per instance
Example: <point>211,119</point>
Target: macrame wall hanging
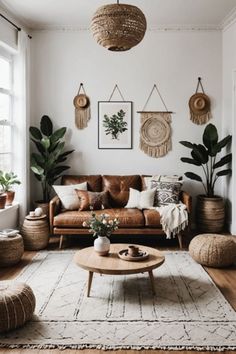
<point>155,131</point>
<point>82,108</point>
<point>200,106</point>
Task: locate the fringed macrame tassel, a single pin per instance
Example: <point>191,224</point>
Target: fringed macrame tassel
<point>82,117</point>
<point>156,151</point>
<point>200,119</point>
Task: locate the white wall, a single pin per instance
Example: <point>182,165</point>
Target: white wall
<point>8,35</point>
<point>173,60</point>
<point>229,115</point>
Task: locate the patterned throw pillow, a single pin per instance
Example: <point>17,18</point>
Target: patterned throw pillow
<point>93,200</point>
<point>166,192</point>
<point>161,178</point>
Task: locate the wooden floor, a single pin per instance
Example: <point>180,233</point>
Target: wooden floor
<point>225,279</point>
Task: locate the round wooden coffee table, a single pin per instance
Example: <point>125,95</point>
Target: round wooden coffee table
<point>89,260</point>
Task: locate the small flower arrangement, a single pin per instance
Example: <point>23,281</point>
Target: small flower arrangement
<point>101,225</point>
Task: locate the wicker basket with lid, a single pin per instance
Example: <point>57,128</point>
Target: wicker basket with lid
<point>35,232</point>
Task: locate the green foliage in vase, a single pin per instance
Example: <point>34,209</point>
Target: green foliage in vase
<point>101,225</point>
<point>115,125</point>
<point>7,180</point>
<point>47,162</point>
<point>205,155</point>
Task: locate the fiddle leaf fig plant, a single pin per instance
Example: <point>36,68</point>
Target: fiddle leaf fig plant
<point>46,163</point>
<point>206,156</point>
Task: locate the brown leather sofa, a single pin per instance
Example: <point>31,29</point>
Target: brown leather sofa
<point>131,221</point>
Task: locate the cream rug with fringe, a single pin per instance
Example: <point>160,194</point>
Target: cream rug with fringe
<point>188,312</point>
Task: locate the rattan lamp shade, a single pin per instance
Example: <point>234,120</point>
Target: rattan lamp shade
<point>118,27</point>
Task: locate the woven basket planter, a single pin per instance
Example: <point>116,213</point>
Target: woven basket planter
<point>35,233</point>
<point>17,304</point>
<point>118,27</point>
<point>210,214</point>
<point>213,250</point>
<point>11,250</point>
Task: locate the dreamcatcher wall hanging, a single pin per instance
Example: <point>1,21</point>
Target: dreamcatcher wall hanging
<point>200,106</point>
<point>155,131</point>
<point>82,108</point>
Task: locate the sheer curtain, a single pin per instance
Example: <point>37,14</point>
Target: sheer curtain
<point>20,138</point>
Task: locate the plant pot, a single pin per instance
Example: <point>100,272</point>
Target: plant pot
<point>10,197</point>
<point>44,206</point>
<point>3,199</point>
<point>210,214</point>
<point>102,245</point>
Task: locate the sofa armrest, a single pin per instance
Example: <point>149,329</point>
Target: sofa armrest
<point>54,209</point>
<point>187,200</point>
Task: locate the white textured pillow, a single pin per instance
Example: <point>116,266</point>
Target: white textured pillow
<point>68,196</point>
<point>141,200</point>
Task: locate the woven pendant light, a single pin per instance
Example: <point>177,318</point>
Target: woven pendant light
<point>118,27</point>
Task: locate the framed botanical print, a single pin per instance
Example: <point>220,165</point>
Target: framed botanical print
<point>115,125</point>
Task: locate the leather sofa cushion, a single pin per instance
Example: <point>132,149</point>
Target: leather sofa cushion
<point>127,217</point>
<point>152,218</point>
<point>94,182</point>
<point>118,187</point>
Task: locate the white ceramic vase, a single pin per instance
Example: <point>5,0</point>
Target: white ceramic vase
<point>102,245</point>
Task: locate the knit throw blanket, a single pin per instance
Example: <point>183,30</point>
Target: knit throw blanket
<point>174,218</point>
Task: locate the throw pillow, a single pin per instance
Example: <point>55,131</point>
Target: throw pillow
<point>93,200</point>
<point>166,192</point>
<point>68,196</point>
<point>141,200</point>
<point>161,178</point>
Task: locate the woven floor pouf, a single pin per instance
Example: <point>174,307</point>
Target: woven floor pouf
<point>213,250</point>
<point>17,304</point>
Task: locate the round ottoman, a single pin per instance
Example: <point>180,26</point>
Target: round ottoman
<point>11,250</point>
<point>35,232</point>
<point>17,304</point>
<point>213,250</point>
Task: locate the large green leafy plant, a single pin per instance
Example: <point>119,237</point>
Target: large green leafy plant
<point>46,163</point>
<point>205,156</point>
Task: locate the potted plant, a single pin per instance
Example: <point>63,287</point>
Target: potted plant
<point>7,180</point>
<point>3,199</point>
<point>210,209</point>
<point>46,163</point>
<point>102,228</point>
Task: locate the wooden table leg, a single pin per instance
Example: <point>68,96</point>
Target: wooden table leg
<point>90,278</point>
<point>151,277</point>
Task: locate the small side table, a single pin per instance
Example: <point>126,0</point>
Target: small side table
<point>35,232</point>
<point>11,250</point>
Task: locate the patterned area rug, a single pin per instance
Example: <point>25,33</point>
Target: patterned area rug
<point>188,311</point>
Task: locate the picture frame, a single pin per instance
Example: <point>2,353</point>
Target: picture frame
<point>115,125</point>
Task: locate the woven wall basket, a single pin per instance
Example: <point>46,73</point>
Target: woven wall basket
<point>118,27</point>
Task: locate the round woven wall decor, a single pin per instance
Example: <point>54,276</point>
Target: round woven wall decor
<point>118,27</point>
<point>155,131</point>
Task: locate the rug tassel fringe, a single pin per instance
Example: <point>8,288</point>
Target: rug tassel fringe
<point>117,347</point>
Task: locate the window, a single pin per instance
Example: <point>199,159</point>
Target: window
<point>6,105</point>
